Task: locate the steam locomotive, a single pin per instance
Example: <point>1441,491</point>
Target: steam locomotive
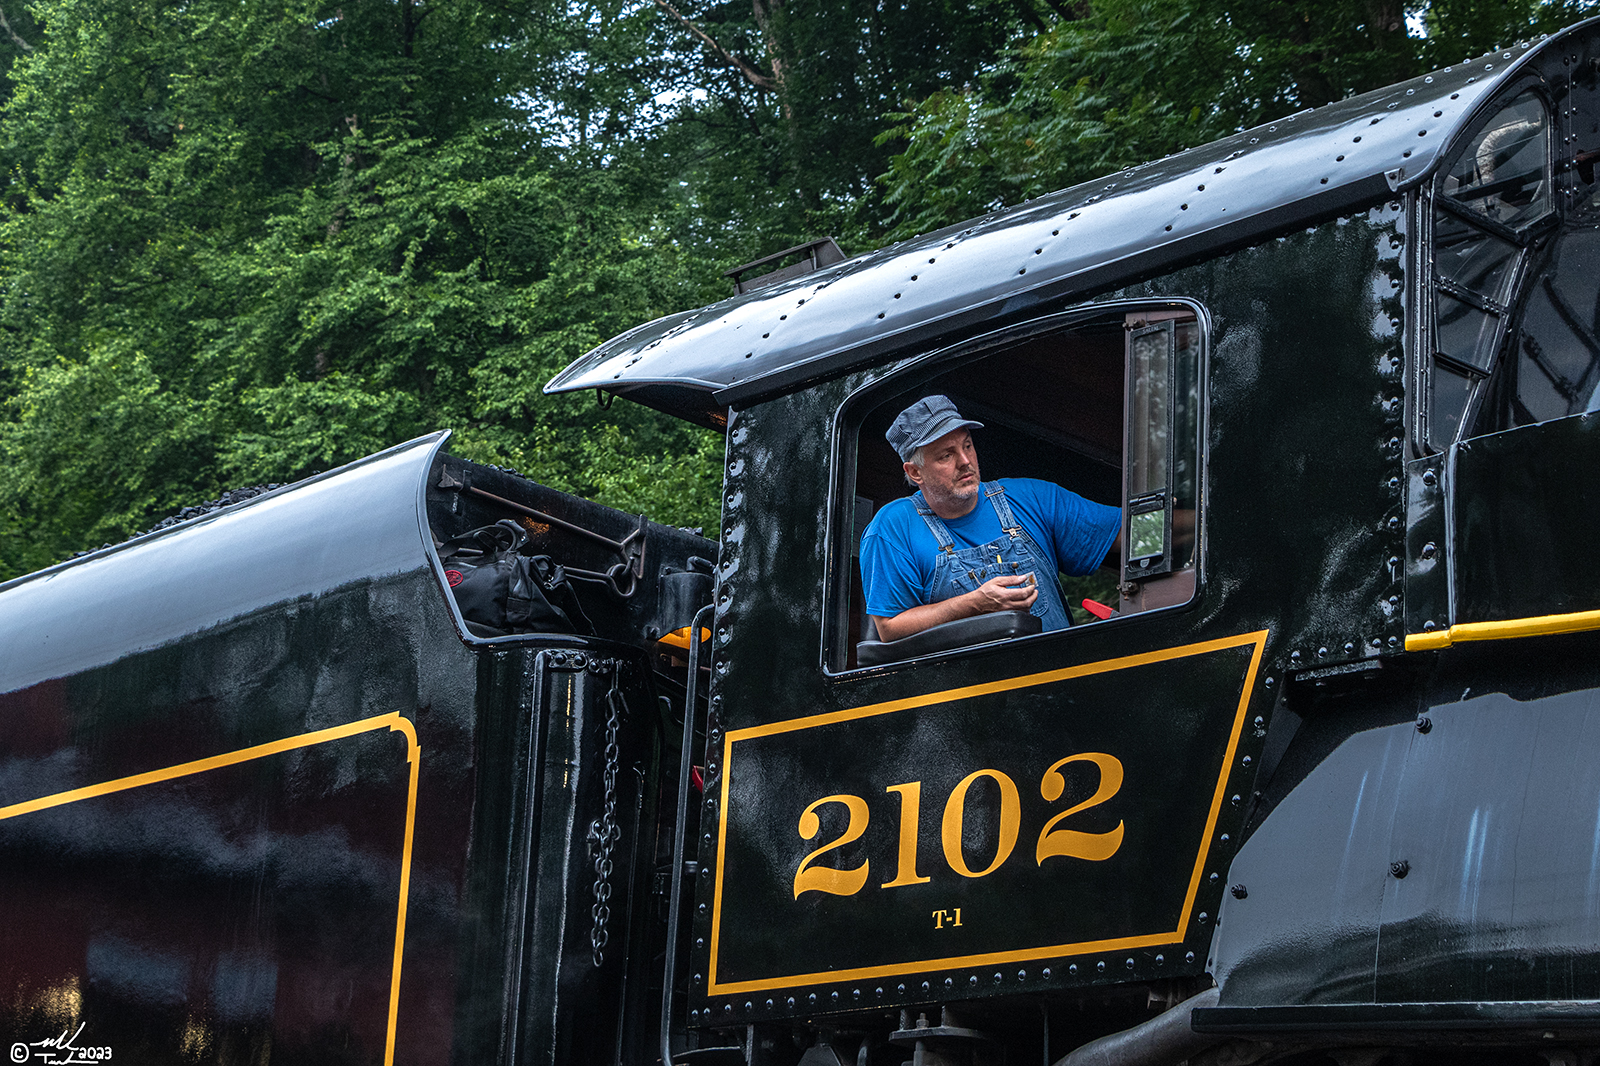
<point>1322,784</point>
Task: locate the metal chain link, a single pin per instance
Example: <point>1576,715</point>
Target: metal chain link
<point>606,831</point>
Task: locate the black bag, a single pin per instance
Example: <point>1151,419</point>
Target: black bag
<point>500,590</point>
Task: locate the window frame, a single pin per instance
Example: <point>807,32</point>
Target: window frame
<point>1431,284</point>
<point>860,402</point>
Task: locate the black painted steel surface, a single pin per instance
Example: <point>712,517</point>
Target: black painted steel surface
<point>263,799</point>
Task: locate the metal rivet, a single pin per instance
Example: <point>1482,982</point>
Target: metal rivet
<point>1130,964</point>
<point>1424,724</point>
<point>789,1003</point>
<point>1399,868</point>
<point>1239,891</point>
<point>1429,550</point>
<point>1045,973</point>
<point>949,982</point>
<point>1100,967</point>
<point>1072,970</point>
<point>1022,975</point>
<point>1202,917</point>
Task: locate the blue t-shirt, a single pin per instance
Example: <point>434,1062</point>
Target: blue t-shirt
<point>898,549</point>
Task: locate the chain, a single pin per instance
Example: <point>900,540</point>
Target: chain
<point>605,831</point>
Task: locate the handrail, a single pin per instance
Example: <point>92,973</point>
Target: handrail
<point>674,908</point>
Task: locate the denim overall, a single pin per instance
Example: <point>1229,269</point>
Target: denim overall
<point>956,571</point>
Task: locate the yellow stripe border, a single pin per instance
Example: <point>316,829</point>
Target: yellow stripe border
<point>1536,626</point>
<point>392,722</point>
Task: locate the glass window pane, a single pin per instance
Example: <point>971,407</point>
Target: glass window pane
<point>1465,333</point>
<point>1185,444</point>
<point>1451,392</point>
<point>1472,258</point>
<point>1150,355</point>
<point>1504,173</point>
<point>1558,343</point>
<point>1145,534</point>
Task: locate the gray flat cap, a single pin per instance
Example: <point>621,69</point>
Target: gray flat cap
<point>925,422</point>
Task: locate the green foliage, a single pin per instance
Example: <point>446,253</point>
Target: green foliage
<point>244,241</point>
<point>90,449</point>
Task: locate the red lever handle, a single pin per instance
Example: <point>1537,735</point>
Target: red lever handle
<point>1099,610</point>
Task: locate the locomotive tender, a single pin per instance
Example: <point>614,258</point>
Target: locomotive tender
<point>1323,786</point>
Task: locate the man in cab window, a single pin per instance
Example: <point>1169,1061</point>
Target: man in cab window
<point>960,547</point>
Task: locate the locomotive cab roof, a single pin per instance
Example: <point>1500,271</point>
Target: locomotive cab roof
<point>1014,263</point>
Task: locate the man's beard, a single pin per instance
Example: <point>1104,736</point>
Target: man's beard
<point>960,497</point>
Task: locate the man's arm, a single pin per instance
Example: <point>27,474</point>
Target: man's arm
<point>1008,593</point>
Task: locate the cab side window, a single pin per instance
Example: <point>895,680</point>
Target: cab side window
<point>1162,460</point>
<point>1553,361</point>
<point>1489,201</point>
<point>1107,407</point>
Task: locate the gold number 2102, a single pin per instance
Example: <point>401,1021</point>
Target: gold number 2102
<point>1053,841</point>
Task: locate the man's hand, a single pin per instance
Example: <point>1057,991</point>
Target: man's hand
<point>1012,592</point>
